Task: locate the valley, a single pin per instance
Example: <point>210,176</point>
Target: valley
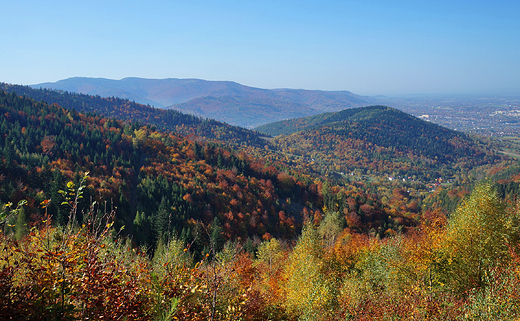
<point>260,160</point>
<point>360,204</point>
<point>231,102</point>
<point>485,116</point>
<point>224,101</point>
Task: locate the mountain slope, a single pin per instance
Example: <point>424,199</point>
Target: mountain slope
<point>203,97</point>
<point>384,126</point>
<point>158,92</point>
<point>126,110</point>
<point>247,112</point>
<point>157,182</point>
<point>161,182</point>
<point>380,140</point>
<point>287,127</point>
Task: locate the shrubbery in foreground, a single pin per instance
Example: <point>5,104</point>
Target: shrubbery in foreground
<point>464,267</point>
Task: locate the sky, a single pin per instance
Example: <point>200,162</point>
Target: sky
<point>367,47</point>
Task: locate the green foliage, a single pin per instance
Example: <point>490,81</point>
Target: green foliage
<point>499,300</point>
<point>381,268</point>
<point>310,295</point>
<point>13,220</point>
<point>269,252</point>
<point>479,236</point>
<point>173,253</point>
<point>330,227</point>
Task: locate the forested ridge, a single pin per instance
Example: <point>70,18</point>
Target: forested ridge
<point>384,127</point>
<point>225,101</point>
<point>247,111</point>
<point>125,110</point>
<point>142,172</point>
<point>164,183</point>
<point>377,144</point>
<point>104,219</point>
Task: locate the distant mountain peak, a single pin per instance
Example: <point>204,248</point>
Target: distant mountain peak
<point>381,126</point>
<point>226,101</point>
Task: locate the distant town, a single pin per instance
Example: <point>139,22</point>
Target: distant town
<point>492,116</point>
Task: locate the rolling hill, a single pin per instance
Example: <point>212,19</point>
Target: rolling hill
<point>161,183</point>
<point>157,182</point>
<point>125,110</point>
<point>244,111</point>
<point>379,139</point>
<point>220,100</point>
<point>182,199</point>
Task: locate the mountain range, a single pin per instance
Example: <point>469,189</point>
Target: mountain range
<point>225,101</point>
<point>125,110</point>
<point>110,209</point>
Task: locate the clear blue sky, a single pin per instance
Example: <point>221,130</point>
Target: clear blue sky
<point>367,47</point>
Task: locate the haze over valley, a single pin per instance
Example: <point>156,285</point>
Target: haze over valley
<point>250,107</point>
<point>260,160</point>
<point>225,101</point>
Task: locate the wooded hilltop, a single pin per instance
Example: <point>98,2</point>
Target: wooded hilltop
<point>115,210</point>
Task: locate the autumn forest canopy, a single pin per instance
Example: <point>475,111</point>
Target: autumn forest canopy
<point>111,209</point>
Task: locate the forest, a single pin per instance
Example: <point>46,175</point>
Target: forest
<point>125,110</point>
<point>106,215</point>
